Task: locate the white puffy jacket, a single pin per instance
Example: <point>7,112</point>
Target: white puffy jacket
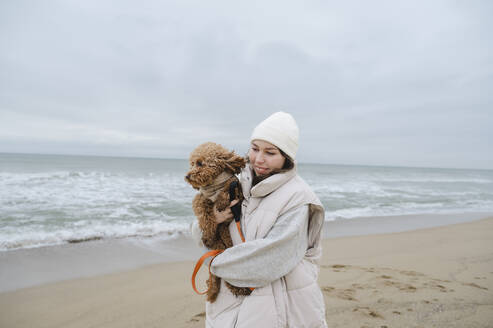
<point>282,221</point>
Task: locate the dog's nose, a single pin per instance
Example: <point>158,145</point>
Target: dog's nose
<point>187,177</point>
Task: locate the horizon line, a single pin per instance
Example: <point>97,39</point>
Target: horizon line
<point>309,163</point>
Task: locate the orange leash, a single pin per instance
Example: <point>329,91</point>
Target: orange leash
<point>212,253</point>
<point>238,225</point>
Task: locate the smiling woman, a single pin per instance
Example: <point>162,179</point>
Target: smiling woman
<point>281,221</point>
<point>265,157</point>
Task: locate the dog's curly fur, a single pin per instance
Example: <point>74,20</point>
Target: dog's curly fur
<point>207,162</point>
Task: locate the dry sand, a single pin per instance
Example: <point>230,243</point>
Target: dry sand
<point>437,277</point>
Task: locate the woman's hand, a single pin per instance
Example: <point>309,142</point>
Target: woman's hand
<point>225,215</point>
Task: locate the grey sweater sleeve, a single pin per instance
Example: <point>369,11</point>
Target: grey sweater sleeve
<point>258,262</point>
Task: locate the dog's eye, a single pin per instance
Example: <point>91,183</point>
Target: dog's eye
<point>199,163</point>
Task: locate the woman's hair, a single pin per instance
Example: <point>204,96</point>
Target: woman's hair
<point>288,163</point>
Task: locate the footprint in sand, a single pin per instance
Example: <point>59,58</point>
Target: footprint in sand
<point>471,284</point>
<point>338,267</point>
<point>197,317</point>
<point>401,286</point>
<point>357,286</point>
<point>411,273</point>
<point>433,284</point>
<point>328,289</point>
<point>344,294</point>
<point>366,311</point>
<point>335,267</point>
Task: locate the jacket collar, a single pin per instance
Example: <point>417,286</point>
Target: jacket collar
<point>265,187</point>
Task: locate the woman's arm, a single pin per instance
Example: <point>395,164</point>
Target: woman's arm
<point>258,262</point>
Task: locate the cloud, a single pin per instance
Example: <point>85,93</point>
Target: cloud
<point>381,82</point>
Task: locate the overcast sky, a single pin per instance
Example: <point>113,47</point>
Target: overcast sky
<point>406,83</point>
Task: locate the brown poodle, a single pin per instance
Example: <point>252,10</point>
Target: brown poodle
<point>212,172</point>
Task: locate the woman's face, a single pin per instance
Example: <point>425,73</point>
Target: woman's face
<point>265,157</point>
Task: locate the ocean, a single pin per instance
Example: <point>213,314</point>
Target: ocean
<point>57,199</point>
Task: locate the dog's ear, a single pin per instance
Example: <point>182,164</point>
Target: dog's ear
<point>233,162</point>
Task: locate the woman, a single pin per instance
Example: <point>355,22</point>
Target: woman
<point>282,221</point>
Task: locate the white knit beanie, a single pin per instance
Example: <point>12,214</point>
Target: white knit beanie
<point>281,130</point>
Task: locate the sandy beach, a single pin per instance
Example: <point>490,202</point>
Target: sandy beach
<point>431,277</point>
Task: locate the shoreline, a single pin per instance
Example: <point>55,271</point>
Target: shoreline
<point>433,277</point>
<point>371,225</point>
<point>24,268</point>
